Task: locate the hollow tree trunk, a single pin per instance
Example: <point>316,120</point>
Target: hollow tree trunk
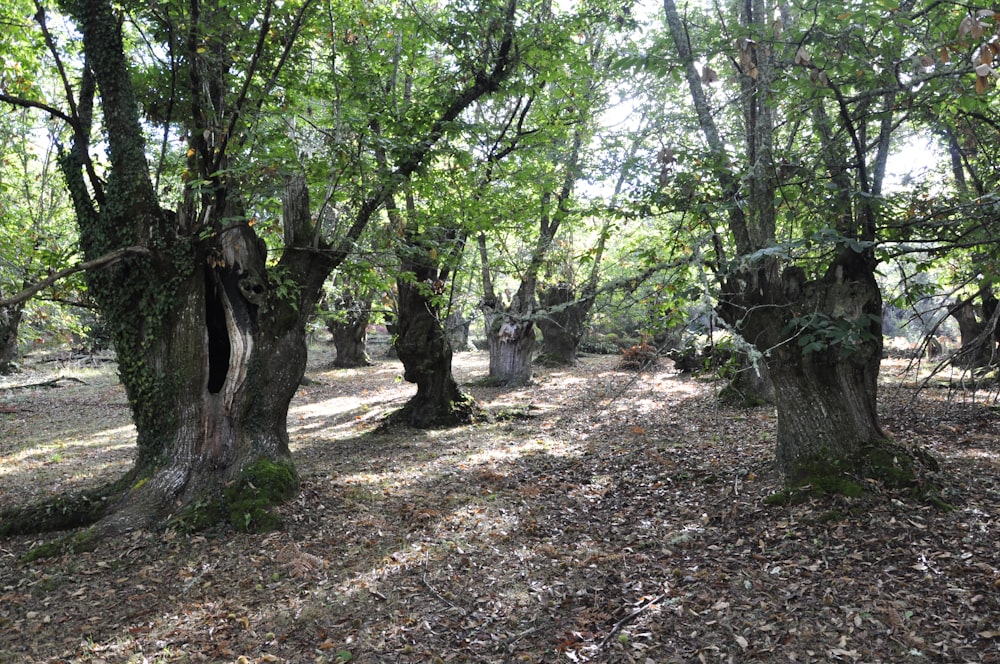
<point>423,347</point>
<point>562,325</point>
<point>350,332</point>
<point>216,448</point>
<point>209,374</point>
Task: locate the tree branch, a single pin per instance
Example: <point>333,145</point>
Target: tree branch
<point>31,103</point>
<point>95,263</point>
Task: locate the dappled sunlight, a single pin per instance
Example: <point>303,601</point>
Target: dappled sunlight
<point>57,450</point>
<point>327,408</point>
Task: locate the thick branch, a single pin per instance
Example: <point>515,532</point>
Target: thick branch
<point>483,84</point>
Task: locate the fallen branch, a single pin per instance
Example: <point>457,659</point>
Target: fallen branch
<point>45,383</point>
<point>441,597</point>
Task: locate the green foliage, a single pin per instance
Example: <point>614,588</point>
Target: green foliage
<point>817,331</point>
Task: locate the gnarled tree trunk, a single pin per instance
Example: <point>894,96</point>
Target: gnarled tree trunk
<point>350,331</point>
<point>821,338</point>
<point>510,337</point>
<point>10,322</point>
<point>210,342</point>
<point>423,347</point>
<point>456,326</point>
<point>562,324</point>
<point>979,331</point>
<point>214,445</point>
<point>510,329</point>
<point>823,355</point>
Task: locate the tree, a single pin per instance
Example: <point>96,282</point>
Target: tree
<point>809,304</point>
<point>210,336</point>
<point>35,230</point>
<point>568,98</point>
<point>348,325</point>
<point>427,254</point>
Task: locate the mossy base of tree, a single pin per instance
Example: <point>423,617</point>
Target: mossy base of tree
<point>76,543</point>
<point>881,464</point>
<point>553,361</point>
<point>246,503</point>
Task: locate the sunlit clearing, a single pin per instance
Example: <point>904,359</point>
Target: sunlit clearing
<point>327,408</point>
<point>65,447</point>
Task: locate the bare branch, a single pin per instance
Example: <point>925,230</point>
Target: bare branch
<point>31,103</point>
<point>102,261</point>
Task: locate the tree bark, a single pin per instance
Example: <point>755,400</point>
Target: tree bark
<point>219,450</point>
<point>10,322</point>
<point>510,329</point>
<point>457,328</point>
<point>423,347</point>
<point>821,338</point>
<point>511,342</point>
<point>563,323</point>
<point>822,341</point>
<point>978,331</point>
<point>350,332</point>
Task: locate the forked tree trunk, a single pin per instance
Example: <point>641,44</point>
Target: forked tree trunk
<point>822,338</point>
<point>350,332</point>
<point>562,324</point>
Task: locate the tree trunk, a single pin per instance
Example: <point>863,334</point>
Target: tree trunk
<point>350,332</point>
<point>823,344</point>
<point>510,338</point>
<point>510,330</point>
<point>215,445</point>
<point>562,324</point>
<point>457,328</point>
<point>209,373</point>
<point>979,332</point>
<point>10,322</point>
<point>422,346</point>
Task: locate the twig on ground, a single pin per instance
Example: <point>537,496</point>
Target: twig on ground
<point>629,618</point>
<point>433,591</point>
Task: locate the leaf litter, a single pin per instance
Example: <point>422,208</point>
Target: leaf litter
<point>595,515</point>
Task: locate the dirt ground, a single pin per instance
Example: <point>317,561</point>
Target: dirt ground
<point>596,515</point>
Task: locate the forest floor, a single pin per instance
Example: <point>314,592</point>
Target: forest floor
<point>596,515</point>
